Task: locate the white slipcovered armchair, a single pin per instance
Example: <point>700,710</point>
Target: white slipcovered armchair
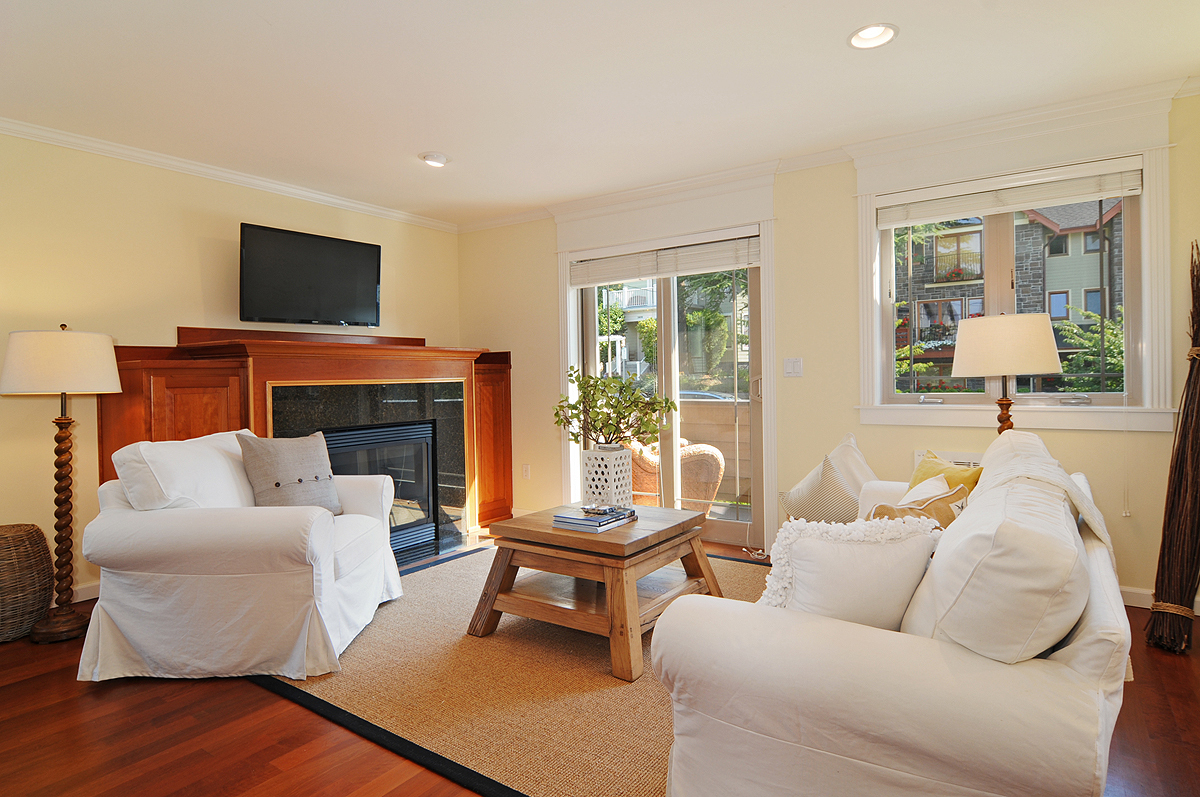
<point>212,585</point>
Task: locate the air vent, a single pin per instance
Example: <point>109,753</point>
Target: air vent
<point>964,458</point>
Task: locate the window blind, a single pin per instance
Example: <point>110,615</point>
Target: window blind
<point>1004,200</point>
<point>676,261</point>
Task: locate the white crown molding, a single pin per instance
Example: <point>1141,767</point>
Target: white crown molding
<point>47,135</point>
<point>813,160</point>
<point>1190,87</point>
<point>727,182</point>
<point>506,221</point>
<point>1099,109</point>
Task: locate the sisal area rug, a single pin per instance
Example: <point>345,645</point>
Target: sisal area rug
<point>532,709</point>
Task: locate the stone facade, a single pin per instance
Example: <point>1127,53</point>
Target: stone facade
<point>1030,250</point>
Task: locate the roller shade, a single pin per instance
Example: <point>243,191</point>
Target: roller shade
<point>1004,200</point>
<point>694,259</point>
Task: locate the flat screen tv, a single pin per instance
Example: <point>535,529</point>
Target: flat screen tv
<point>300,278</point>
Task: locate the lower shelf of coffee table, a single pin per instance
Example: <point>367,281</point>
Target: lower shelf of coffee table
<point>582,604</point>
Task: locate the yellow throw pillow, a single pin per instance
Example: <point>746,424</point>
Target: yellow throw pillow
<point>943,508</point>
<point>933,465</point>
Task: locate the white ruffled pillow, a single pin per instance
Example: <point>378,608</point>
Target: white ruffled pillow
<point>864,572</point>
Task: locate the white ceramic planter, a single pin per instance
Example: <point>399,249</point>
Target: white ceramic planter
<point>608,475</point>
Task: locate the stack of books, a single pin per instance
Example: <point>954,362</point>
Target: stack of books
<point>593,520</point>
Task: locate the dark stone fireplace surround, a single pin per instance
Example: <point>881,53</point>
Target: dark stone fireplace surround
<point>411,431</point>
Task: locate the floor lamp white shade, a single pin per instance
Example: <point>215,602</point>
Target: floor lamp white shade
<point>41,362</point>
<point>1006,345</point>
<point>59,361</point>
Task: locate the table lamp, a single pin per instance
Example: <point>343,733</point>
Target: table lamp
<point>45,362</point>
<point>1005,345</point>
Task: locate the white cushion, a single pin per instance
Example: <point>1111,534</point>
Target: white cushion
<point>863,572</point>
<point>1009,579</point>
<point>204,472</point>
<point>1013,445</point>
<point>830,491</point>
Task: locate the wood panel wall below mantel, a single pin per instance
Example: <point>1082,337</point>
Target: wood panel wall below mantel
<point>218,380</point>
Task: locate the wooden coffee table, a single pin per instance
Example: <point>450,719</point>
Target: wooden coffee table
<point>610,583</point>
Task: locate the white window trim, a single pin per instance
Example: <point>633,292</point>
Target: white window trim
<point>1155,414</point>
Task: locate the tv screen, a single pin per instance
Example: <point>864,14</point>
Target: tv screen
<point>300,278</point>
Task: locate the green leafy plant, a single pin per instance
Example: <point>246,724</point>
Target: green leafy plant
<point>1095,346</point>
<point>610,410</point>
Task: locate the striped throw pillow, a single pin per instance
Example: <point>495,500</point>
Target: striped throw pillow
<point>827,498</point>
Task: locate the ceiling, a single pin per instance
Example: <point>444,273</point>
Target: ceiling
<point>541,102</point>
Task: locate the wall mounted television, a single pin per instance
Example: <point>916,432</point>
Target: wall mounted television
<point>300,278</point>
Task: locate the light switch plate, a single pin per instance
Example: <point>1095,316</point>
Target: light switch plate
<point>793,366</point>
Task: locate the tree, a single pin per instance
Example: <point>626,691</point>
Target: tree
<point>610,319</point>
<point>1102,340</point>
<point>647,330</point>
<point>715,334</point>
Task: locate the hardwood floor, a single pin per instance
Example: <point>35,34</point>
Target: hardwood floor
<point>226,736</point>
<point>1154,747</point>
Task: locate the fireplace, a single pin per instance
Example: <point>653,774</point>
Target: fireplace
<point>407,452</point>
<point>413,432</point>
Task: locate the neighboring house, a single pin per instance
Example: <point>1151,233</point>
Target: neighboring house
<point>638,300</point>
<point>1068,258</point>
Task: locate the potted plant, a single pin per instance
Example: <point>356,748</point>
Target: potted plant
<point>608,413</point>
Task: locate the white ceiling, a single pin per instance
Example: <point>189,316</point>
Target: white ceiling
<point>540,102</point>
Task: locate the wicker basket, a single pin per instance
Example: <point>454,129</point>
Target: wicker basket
<point>26,579</point>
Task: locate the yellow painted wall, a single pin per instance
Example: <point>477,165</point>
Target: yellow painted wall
<point>509,294</point>
<point>816,295</point>
<point>134,251</point>
<point>817,319</point>
<point>106,245</point>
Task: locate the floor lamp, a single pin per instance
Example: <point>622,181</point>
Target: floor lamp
<point>1005,345</point>
<point>60,362</point>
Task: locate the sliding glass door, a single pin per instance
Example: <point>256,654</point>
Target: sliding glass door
<point>688,337</point>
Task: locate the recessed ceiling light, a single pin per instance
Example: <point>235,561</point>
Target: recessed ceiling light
<point>875,35</point>
<point>434,159</point>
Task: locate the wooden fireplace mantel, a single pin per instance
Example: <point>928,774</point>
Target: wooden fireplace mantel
<point>217,380</point>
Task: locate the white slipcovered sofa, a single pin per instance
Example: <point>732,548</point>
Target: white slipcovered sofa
<point>208,584</point>
<point>774,701</point>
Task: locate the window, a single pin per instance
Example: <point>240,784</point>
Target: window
<point>1058,302</point>
<point>937,271</point>
<point>959,255</point>
<point>1091,242</point>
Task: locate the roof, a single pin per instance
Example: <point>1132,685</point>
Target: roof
<point>1075,216</point>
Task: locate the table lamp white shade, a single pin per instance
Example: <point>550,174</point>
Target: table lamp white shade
<point>1006,345</point>
<point>59,361</point>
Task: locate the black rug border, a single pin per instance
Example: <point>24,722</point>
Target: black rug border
<point>447,768</point>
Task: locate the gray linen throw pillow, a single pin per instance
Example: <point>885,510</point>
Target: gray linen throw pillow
<point>290,471</point>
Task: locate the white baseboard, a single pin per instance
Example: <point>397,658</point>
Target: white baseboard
<point>1132,596</point>
<point>86,592</point>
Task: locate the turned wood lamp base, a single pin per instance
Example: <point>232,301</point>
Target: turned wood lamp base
<point>62,622</point>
